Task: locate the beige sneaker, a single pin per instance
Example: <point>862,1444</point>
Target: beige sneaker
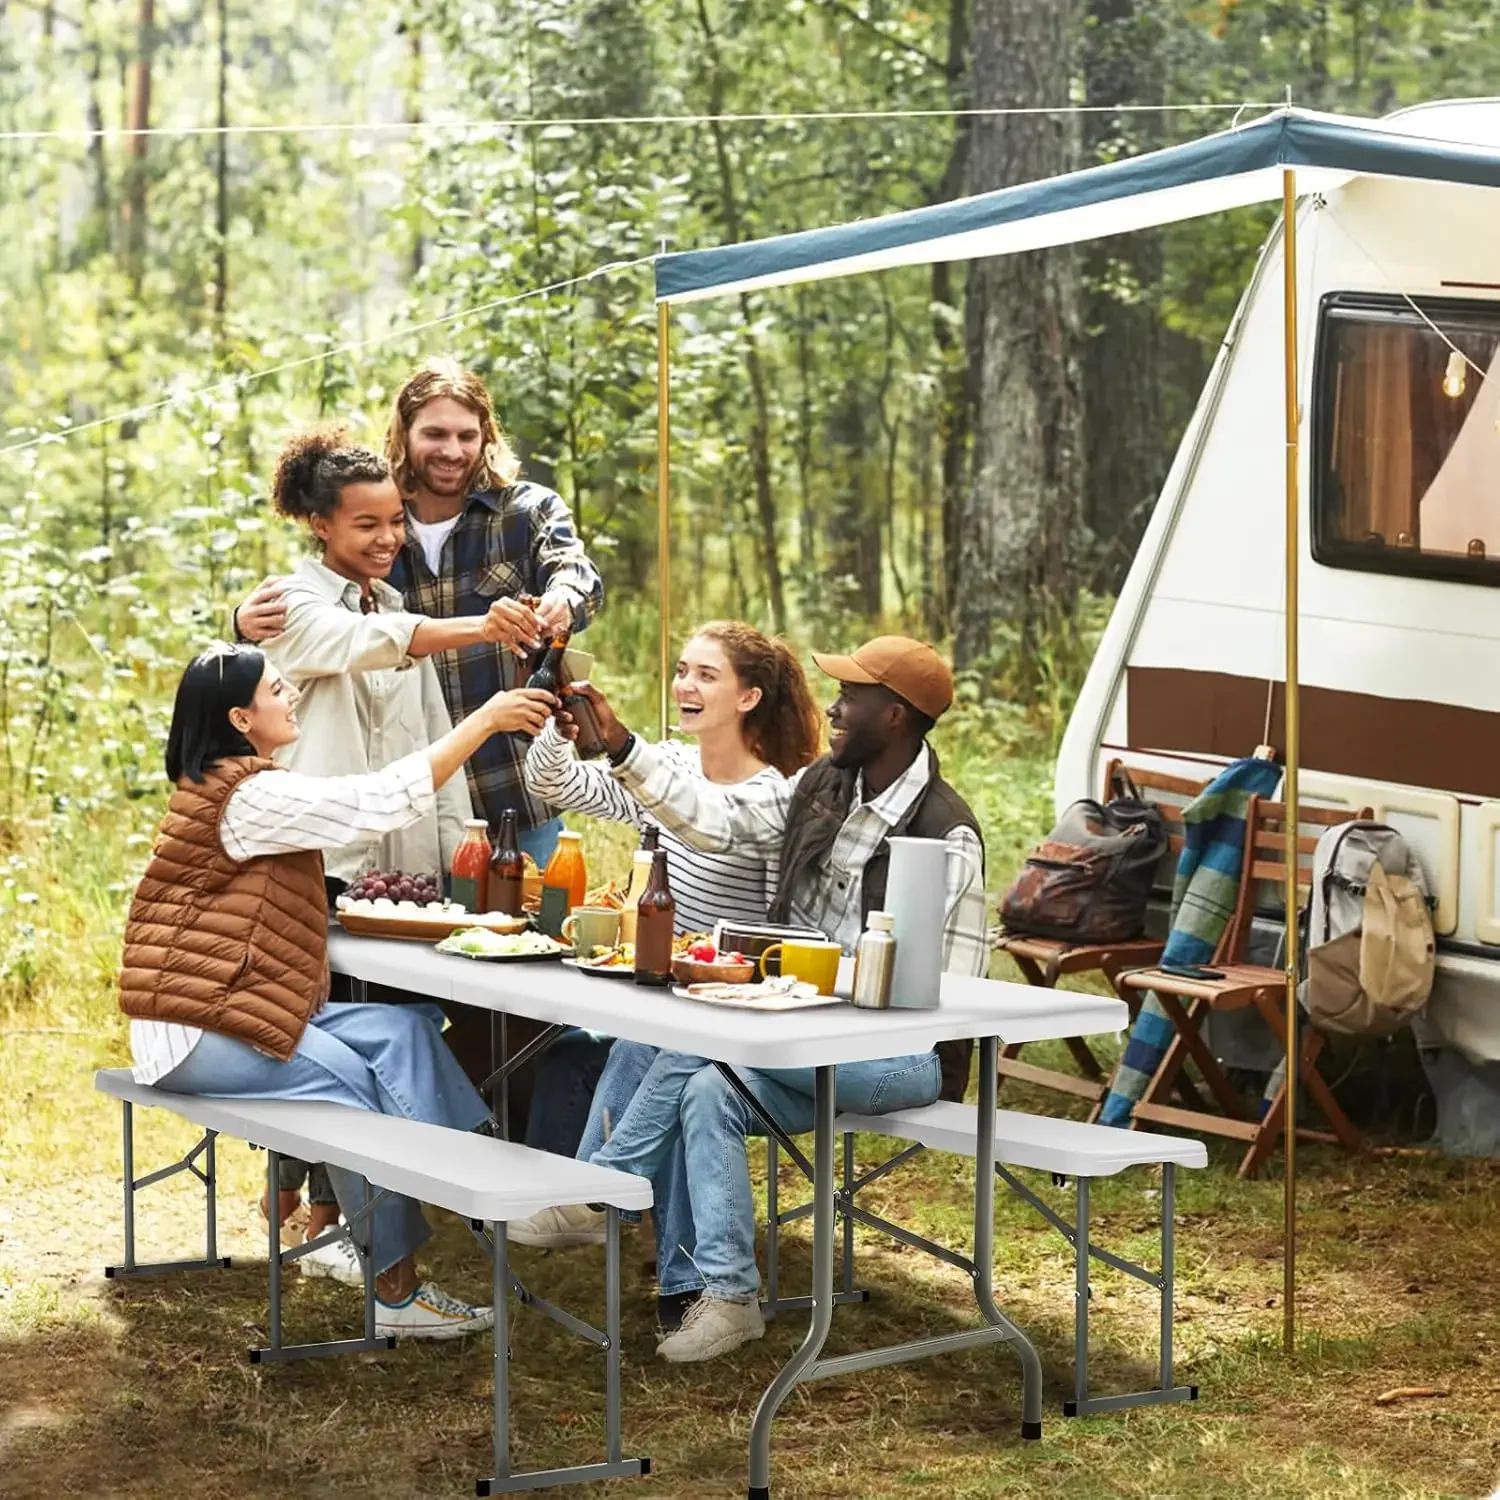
<point>553,1228</point>
<point>712,1327</point>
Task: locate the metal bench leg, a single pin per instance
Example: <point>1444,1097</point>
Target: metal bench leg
<point>848,1198</point>
<point>207,1175</point>
<point>773,1229</point>
<point>1166,1393</point>
<point>507,1480</point>
<point>275,1351</point>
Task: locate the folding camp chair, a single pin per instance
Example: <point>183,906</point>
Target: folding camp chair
<point>1043,961</point>
<point>1189,1001</point>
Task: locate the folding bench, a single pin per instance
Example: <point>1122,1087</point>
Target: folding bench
<point>486,1181</point>
<point>1064,1148</point>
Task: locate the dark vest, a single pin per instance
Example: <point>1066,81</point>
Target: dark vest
<point>819,806</point>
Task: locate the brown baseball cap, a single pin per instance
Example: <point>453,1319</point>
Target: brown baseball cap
<point>909,668</point>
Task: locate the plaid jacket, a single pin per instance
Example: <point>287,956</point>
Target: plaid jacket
<point>515,541</point>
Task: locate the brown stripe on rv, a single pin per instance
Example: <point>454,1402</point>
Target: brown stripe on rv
<point>1404,740</point>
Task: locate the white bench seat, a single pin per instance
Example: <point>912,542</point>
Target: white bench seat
<point>1069,1148</point>
<point>472,1175</point>
<point>487,1181</point>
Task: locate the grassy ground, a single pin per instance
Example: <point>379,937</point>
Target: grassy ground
<point>142,1389</point>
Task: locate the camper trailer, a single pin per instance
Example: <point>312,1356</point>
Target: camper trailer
<point>1399,333</point>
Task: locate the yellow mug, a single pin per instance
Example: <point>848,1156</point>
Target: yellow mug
<point>813,963</point>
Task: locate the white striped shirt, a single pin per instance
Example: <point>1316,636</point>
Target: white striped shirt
<point>733,885</point>
<point>283,812</point>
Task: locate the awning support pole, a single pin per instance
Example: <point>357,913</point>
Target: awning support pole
<point>663,501</point>
<point>1290,795</point>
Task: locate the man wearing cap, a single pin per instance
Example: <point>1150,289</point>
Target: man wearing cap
<point>830,824</point>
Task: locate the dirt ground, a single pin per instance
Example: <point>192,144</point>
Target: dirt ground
<point>142,1388</point>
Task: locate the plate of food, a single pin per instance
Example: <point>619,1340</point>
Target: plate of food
<point>770,994</point>
<point>502,947</point>
<point>613,963</point>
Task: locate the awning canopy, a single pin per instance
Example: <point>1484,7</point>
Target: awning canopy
<point>1230,169</point>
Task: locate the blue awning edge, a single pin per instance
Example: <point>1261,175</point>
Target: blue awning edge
<point>1285,138</point>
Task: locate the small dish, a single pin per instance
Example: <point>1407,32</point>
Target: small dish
<point>687,970</point>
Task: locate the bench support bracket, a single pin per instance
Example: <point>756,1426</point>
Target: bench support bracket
<point>506,1480</point>
<point>275,1352</point>
<point>206,1174</point>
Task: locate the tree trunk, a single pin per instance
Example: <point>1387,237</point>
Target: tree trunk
<point>1124,445</point>
<point>1022,524</point>
<point>947,308</point>
<point>221,180</point>
<point>133,237</point>
<point>760,424</point>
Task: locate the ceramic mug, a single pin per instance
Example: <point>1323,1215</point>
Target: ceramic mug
<point>813,963</point>
<point>590,927</point>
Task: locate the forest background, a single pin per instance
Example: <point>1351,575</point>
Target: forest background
<point>967,453</point>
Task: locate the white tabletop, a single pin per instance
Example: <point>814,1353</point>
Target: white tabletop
<point>548,992</point>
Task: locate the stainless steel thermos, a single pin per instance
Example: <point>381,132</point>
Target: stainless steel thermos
<point>874,962</point>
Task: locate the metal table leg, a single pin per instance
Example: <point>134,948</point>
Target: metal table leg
<point>824,1087</point>
<point>984,1243</point>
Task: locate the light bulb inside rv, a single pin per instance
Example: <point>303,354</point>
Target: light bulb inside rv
<point>1456,376</point>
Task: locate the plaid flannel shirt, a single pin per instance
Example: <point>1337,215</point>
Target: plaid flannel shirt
<point>519,540</point>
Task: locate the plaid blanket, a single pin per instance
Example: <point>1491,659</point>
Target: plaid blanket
<point>1203,896</point>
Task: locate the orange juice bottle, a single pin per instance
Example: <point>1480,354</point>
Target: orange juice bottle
<point>564,883</point>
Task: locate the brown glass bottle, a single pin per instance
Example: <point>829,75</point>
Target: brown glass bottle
<point>507,869</point>
<point>655,923</point>
<point>590,742</point>
<point>549,675</point>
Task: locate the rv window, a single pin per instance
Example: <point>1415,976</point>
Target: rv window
<point>1406,463</point>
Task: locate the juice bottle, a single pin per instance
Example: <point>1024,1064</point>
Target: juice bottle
<point>507,872</point>
<point>471,866</point>
<point>656,919</point>
<point>564,883</point>
<point>640,875</point>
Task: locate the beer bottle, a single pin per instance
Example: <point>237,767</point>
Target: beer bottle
<point>655,923</point>
<point>590,742</point>
<point>549,675</point>
<point>507,869</point>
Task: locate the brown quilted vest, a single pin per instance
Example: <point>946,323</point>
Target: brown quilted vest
<point>237,949</point>
<point>819,806</point>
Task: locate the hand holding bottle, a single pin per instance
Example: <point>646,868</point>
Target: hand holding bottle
<point>513,624</point>
<point>519,711</point>
<point>611,730</point>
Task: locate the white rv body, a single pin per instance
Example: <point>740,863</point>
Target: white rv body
<point>1206,591</point>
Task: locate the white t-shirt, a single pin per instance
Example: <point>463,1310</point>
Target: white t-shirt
<point>432,535</point>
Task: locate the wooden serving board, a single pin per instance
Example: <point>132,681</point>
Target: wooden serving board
<point>427,929</point>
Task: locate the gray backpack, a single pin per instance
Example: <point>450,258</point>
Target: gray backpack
<point>1370,947</point>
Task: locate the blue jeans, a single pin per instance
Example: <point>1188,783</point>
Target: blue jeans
<point>684,1104</point>
<point>628,1064</point>
<point>390,1059</point>
<point>539,842</point>
<point>562,1091</point>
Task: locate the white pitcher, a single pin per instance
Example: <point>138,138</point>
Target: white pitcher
<point>916,896</point>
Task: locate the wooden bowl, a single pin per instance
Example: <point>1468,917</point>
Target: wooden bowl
<point>691,971</point>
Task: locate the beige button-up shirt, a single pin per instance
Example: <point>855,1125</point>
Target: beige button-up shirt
<point>364,705</point>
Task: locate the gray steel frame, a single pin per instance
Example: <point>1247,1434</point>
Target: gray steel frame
<point>506,1480</point>
<point>806,1363</point>
<point>207,1175</point>
<point>1077,1235</point>
<point>277,1352</point>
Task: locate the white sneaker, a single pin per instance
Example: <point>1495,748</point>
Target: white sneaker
<point>430,1313</point>
<point>337,1260</point>
<point>553,1228</point>
<point>711,1327</point>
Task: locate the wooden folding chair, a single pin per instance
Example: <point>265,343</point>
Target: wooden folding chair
<point>1188,1002</point>
<point>1043,961</point>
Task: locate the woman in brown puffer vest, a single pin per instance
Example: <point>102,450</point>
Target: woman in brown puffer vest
<point>225,973</point>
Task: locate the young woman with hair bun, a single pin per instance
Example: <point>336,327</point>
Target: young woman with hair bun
<point>367,693</point>
<point>743,699</point>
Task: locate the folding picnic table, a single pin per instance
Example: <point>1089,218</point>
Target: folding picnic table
<point>992,1011</point>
